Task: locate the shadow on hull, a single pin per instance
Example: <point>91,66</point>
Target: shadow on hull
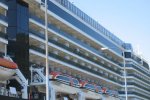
<point>10,98</point>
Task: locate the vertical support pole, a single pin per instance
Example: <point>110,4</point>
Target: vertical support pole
<point>46,47</point>
<point>24,92</point>
<point>125,76</point>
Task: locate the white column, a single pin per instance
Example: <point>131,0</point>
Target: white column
<point>52,93</point>
<point>125,75</point>
<point>103,97</point>
<point>81,96</point>
<point>46,47</point>
<point>24,92</point>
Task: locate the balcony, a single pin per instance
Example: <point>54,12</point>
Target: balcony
<point>37,49</point>
<point>65,34</point>
<point>4,18</point>
<point>136,59</point>
<point>135,84</point>
<point>139,69</point>
<point>37,33</point>
<point>84,17</point>
<point>144,80</point>
<point>80,66</point>
<point>4,2</point>
<point>140,86</point>
<point>135,93</point>
<point>73,63</point>
<point>3,35</point>
<point>76,52</point>
<point>37,19</point>
<point>84,56</point>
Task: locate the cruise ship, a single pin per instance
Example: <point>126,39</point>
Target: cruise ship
<point>86,61</point>
<point>13,84</point>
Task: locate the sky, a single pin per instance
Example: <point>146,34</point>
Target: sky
<point>127,19</point>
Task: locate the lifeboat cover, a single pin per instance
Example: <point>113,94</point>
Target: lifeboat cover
<point>8,64</point>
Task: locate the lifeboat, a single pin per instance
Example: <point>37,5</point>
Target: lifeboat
<point>7,69</point>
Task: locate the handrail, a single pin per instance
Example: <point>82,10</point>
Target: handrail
<point>73,63</point>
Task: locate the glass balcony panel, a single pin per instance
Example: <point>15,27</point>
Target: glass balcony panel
<point>4,18</point>
<point>74,39</point>
<point>72,63</point>
<point>3,35</point>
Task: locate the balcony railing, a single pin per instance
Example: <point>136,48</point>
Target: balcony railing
<point>139,61</point>
<point>37,49</point>
<point>84,56</point>
<point>135,58</point>
<point>76,52</point>
<point>142,79</point>
<point>71,7</point>
<point>65,34</point>
<point>80,66</point>
<point>73,63</point>
<point>135,84</point>
<point>3,35</point>
<point>37,19</point>
<point>139,69</point>
<point>37,33</point>
<point>4,18</point>
<point>4,2</point>
<point>81,43</point>
<point>135,93</point>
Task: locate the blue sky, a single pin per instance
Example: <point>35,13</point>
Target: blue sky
<point>128,19</point>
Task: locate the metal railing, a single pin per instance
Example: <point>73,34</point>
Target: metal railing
<point>135,84</point>
<point>65,34</point>
<point>135,93</point>
<point>84,56</point>
<point>142,79</point>
<point>139,69</point>
<point>3,35</point>
<point>4,18</point>
<point>73,63</point>
<point>72,8</point>
<point>37,33</point>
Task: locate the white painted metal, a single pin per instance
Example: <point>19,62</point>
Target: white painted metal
<point>23,82</point>
<point>81,96</point>
<point>47,62</point>
<point>125,75</point>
